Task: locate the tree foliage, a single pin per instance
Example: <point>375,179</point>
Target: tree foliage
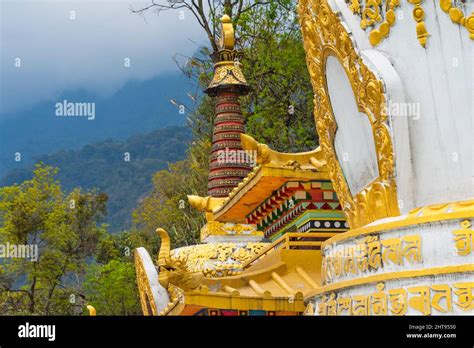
<point>64,229</point>
<point>76,262</point>
<point>104,166</point>
<point>279,108</point>
<point>167,206</point>
<point>112,289</point>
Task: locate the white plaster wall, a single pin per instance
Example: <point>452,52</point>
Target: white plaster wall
<point>445,279</point>
<point>438,248</point>
<point>439,79</point>
<point>353,141</point>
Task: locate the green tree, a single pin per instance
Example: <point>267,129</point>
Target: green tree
<point>279,109</point>
<point>65,230</point>
<point>112,289</point>
<point>167,206</point>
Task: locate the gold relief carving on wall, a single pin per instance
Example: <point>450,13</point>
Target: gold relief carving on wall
<point>216,228</point>
<point>378,302</point>
<point>464,239</point>
<point>420,302</point>
<point>442,294</point>
<point>379,16</point>
<point>371,254</point>
<point>419,17</point>
<point>458,17</point>
<point>422,299</point>
<point>344,305</point>
<point>443,208</point>
<point>465,296</point>
<point>309,310</point>
<point>324,35</point>
<point>397,299</point>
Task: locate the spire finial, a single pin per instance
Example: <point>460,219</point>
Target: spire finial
<point>227,40</point>
<point>227,67</point>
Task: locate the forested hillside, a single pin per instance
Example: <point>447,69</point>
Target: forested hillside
<point>138,107</point>
<point>121,169</point>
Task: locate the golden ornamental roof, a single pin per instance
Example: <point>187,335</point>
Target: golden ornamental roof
<point>278,279</point>
<point>227,66</point>
<point>271,276</point>
<point>274,169</point>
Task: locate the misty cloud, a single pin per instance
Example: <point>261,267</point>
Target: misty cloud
<point>85,49</point>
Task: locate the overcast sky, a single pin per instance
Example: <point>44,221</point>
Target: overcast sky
<point>59,52</point>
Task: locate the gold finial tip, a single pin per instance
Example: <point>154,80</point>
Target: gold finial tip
<point>226,19</point>
<point>92,311</point>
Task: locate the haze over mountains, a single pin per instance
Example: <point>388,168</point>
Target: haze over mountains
<point>138,119</point>
<point>136,108</point>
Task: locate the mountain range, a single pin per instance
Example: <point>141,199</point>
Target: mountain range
<point>138,107</point>
<point>135,132</point>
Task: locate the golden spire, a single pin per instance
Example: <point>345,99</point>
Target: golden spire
<point>227,67</point>
<point>227,39</point>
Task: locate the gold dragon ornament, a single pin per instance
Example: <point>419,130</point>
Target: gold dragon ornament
<point>174,271</point>
<point>173,276</point>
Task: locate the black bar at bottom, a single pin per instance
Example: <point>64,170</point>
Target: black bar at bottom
<point>243,331</point>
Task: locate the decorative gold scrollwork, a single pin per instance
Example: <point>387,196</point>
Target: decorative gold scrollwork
<point>324,35</point>
<point>376,15</point>
<point>458,17</point>
<point>379,16</point>
<point>419,16</point>
<point>147,300</point>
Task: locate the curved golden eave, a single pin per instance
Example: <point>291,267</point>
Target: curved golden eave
<point>206,204</point>
<point>261,183</point>
<point>273,166</point>
<point>265,155</point>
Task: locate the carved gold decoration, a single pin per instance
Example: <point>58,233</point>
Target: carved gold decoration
<point>379,16</point>
<point>265,155</point>
<point>177,303</point>
<point>206,204</point>
<point>443,208</point>
<point>371,254</point>
<point>464,239</point>
<point>324,35</point>
<point>217,259</point>
<point>146,295</point>
<point>309,309</point>
<point>373,13</point>
<point>458,17</point>
<point>173,271</point>
<point>465,295</point>
<point>420,215</point>
<point>227,67</point>
<point>227,39</point>
<point>92,311</point>
<point>419,16</point>
<point>216,228</point>
<point>422,299</point>
<point>228,74</point>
